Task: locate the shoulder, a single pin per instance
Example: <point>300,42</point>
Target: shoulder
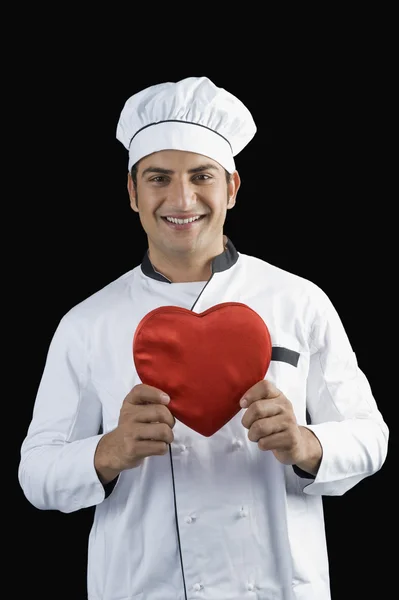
<point>103,303</point>
<point>279,280</point>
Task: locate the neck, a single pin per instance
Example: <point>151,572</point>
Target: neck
<point>185,267</point>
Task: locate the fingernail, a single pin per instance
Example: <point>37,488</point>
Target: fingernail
<point>165,398</point>
<point>243,403</point>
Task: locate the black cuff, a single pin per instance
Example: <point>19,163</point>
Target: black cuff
<point>108,487</point>
<point>302,473</point>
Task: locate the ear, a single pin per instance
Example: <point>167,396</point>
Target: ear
<point>233,188</point>
<point>132,193</point>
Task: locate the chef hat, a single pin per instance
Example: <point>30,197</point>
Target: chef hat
<point>192,115</point>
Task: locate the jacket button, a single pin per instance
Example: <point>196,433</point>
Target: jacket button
<point>190,519</point>
<point>237,444</point>
<point>251,587</point>
<point>197,587</point>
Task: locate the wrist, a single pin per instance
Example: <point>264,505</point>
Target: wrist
<point>104,463</point>
<point>312,452</point>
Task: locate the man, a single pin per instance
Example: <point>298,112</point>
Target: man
<point>216,494</point>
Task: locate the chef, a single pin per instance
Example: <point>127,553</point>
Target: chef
<point>206,400</point>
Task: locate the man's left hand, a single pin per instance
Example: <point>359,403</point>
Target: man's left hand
<point>271,422</point>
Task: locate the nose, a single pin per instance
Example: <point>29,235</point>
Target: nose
<point>183,195</point>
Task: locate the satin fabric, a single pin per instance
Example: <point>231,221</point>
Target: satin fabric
<point>204,361</point>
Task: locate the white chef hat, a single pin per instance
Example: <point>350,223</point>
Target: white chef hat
<point>192,115</point>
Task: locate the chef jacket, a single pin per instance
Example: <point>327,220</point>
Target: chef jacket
<point>218,519</point>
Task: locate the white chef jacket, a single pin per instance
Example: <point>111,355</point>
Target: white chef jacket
<point>248,526</point>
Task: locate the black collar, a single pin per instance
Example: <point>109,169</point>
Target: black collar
<point>222,262</point>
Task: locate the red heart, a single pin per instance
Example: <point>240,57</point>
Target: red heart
<point>205,362</point>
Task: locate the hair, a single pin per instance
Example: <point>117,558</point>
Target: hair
<point>133,173</point>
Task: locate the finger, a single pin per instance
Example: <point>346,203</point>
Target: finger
<point>146,394</point>
<point>262,390</point>
<point>157,432</point>
<point>265,428</point>
<point>277,441</point>
<point>262,409</point>
<point>151,448</point>
<point>154,413</point>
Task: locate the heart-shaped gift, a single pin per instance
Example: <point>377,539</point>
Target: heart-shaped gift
<point>204,361</point>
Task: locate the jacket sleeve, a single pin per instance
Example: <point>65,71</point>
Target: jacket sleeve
<point>56,470</point>
<point>343,411</point>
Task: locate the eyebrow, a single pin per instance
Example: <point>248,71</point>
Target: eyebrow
<point>198,169</point>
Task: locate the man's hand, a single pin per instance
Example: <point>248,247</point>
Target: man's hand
<point>144,429</point>
<point>271,422</point>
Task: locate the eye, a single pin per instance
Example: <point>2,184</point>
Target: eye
<point>159,179</point>
<point>202,177</point>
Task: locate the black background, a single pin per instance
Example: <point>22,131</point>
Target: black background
<point>316,199</point>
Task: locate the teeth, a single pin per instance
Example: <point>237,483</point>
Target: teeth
<point>181,221</point>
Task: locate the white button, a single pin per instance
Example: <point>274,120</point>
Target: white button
<point>190,519</point>
<point>237,444</point>
<point>197,587</point>
<point>243,512</point>
<point>182,447</point>
<point>250,587</point>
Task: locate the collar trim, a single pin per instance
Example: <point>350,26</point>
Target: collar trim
<point>220,263</point>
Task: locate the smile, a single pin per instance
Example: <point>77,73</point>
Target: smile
<point>177,224</point>
<point>182,221</point>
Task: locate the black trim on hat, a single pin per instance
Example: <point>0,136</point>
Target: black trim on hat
<point>220,263</point>
<point>179,121</point>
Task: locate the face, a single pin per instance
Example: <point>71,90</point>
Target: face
<point>182,199</point>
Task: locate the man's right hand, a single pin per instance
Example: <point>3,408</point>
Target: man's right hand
<point>144,429</point>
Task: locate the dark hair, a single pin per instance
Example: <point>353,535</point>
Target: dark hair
<point>133,173</point>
